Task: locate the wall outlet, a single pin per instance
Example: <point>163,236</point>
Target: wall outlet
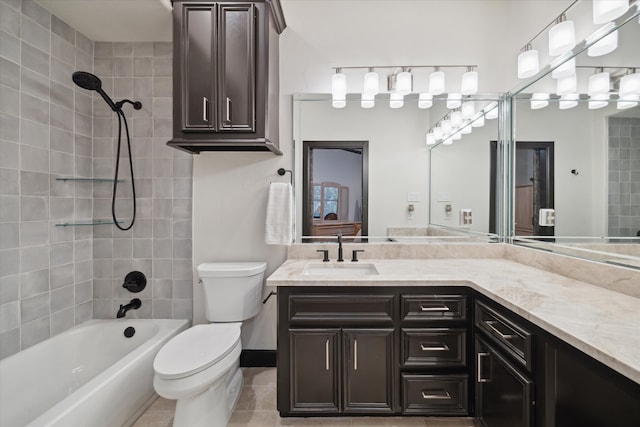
<point>547,217</point>
<point>465,217</point>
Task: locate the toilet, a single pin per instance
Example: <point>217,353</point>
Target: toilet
<point>200,367</point>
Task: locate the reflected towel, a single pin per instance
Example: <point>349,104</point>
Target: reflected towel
<point>279,218</point>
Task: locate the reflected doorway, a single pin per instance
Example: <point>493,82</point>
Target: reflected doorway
<point>335,188</point>
<point>534,187</point>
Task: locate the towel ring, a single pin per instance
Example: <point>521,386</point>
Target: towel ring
<point>282,171</point>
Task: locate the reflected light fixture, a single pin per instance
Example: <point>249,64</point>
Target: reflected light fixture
<point>598,101</point>
<point>491,111</point>
<point>436,82</point>
<point>425,100</point>
<point>566,69</point>
<point>528,62</point>
<point>562,36</point>
<point>456,136</point>
<point>478,122</point>
<point>447,141</point>
<point>567,85</point>
<point>568,100</point>
<point>608,10</point>
<point>456,119</point>
<point>605,45</point>
<point>404,82</point>
<point>468,109</point>
<point>466,128</point>
<point>598,83</point>
<point>454,100</point>
<point>437,133</point>
<point>371,83</point>
<point>469,84</point>
<point>367,100</point>
<point>539,100</point>
<point>396,100</point>
<point>431,138</point>
<point>446,127</point>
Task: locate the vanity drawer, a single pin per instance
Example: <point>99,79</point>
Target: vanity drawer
<point>441,347</point>
<point>435,394</point>
<point>506,333</point>
<point>341,309</point>
<point>434,307</point>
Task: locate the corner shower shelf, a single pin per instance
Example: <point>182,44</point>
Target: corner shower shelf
<point>87,222</point>
<point>64,178</point>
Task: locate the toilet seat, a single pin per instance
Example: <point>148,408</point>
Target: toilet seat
<point>196,349</point>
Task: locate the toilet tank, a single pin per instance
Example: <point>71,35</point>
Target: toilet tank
<point>232,290</point>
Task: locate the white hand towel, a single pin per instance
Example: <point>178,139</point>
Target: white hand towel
<point>279,218</point>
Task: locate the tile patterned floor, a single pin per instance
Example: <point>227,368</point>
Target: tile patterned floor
<point>257,408</point>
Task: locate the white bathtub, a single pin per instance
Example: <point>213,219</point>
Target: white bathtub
<point>90,375</point>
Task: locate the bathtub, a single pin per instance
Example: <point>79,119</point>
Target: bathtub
<point>91,375</point>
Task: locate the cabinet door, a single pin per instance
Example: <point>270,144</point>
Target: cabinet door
<point>504,395</point>
<point>236,65</point>
<point>314,370</point>
<point>197,66</point>
<point>369,370</point>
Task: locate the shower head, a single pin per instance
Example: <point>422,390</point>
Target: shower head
<point>90,82</point>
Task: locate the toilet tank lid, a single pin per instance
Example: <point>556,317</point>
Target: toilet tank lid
<point>231,269</point>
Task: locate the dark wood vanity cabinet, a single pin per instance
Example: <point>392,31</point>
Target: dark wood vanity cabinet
<point>225,75</point>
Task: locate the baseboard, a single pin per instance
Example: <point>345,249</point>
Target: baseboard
<point>258,358</point>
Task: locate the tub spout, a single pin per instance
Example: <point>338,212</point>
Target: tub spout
<point>133,305</point>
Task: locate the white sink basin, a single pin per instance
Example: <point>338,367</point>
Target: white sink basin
<point>340,270</point>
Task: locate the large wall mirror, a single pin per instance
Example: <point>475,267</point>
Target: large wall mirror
<point>576,175</point>
<point>400,173</point>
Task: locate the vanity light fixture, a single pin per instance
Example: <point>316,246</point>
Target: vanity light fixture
<point>605,45</point>
<point>539,100</point>
<point>562,36</point>
<point>371,83</point>
<point>568,100</point>
<point>396,100</point>
<point>425,100</point>
<point>404,82</point>
<point>469,84</point>
<point>629,90</point>
<point>528,62</point>
<point>608,10</point>
<point>445,125</point>
<point>466,128</point>
<point>457,135</point>
<point>456,119</point>
<point>566,69</point>
<point>437,133</point>
<point>447,141</point>
<point>436,82</point>
<point>367,100</point>
<point>338,89</point>
<point>598,101</point>
<point>468,109</point>
<point>598,83</point>
<point>567,85</point>
<point>454,100</point>
<point>491,111</point>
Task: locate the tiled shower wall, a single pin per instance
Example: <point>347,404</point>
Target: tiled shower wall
<point>624,176</point>
<point>54,277</point>
<point>45,133</point>
<point>159,244</point>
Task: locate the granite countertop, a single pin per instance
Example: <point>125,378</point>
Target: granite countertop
<point>600,322</point>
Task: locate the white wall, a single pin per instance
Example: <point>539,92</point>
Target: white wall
<point>230,189</point>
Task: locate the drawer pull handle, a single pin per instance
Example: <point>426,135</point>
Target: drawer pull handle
<point>426,308</point>
<point>326,355</point>
<point>228,109</point>
<point>490,324</point>
<point>435,395</point>
<point>479,370</point>
<point>431,347</point>
<point>355,355</point>
<point>205,109</point>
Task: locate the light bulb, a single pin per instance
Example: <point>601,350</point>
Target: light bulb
<point>608,10</point>
<point>568,100</point>
<point>469,84</point>
<point>403,83</point>
<point>566,69</point>
<point>566,85</point>
<point>396,100</point>
<point>598,83</point>
<point>491,111</point>
<point>468,109</point>
<point>367,101</point>
<point>431,139</point>
<point>539,100</point>
<point>562,38</point>
<point>371,83</point>
<point>456,119</point>
<point>436,82</point>
<point>425,100</point>
<point>600,100</point>
<point>338,85</point>
<point>445,125</point>
<point>605,45</point>
<point>466,128</point>
<point>479,122</point>
<point>528,63</point>
<point>454,100</point>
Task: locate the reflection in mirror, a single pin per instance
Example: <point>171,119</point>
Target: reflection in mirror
<point>577,163</point>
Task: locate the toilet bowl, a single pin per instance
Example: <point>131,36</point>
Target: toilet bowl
<point>200,367</point>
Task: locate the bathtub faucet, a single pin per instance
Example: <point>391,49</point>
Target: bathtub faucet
<point>133,305</point>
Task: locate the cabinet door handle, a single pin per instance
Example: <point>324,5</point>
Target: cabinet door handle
<point>436,395</point>
<point>229,109</point>
<point>355,354</point>
<point>490,324</point>
<point>205,109</point>
<point>326,355</point>
<point>426,308</point>
<point>480,378</point>
<point>431,347</point>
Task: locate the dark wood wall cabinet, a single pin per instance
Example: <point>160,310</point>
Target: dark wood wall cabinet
<point>442,351</point>
<point>225,75</point>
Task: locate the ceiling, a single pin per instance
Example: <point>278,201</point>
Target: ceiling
<point>116,20</point>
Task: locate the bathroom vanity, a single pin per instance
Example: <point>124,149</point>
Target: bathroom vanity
<point>509,344</point>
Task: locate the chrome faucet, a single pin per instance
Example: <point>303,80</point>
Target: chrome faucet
<point>340,259</point>
<point>133,305</point>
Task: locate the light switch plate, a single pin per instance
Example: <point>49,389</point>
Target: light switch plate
<point>413,196</point>
<point>444,196</point>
